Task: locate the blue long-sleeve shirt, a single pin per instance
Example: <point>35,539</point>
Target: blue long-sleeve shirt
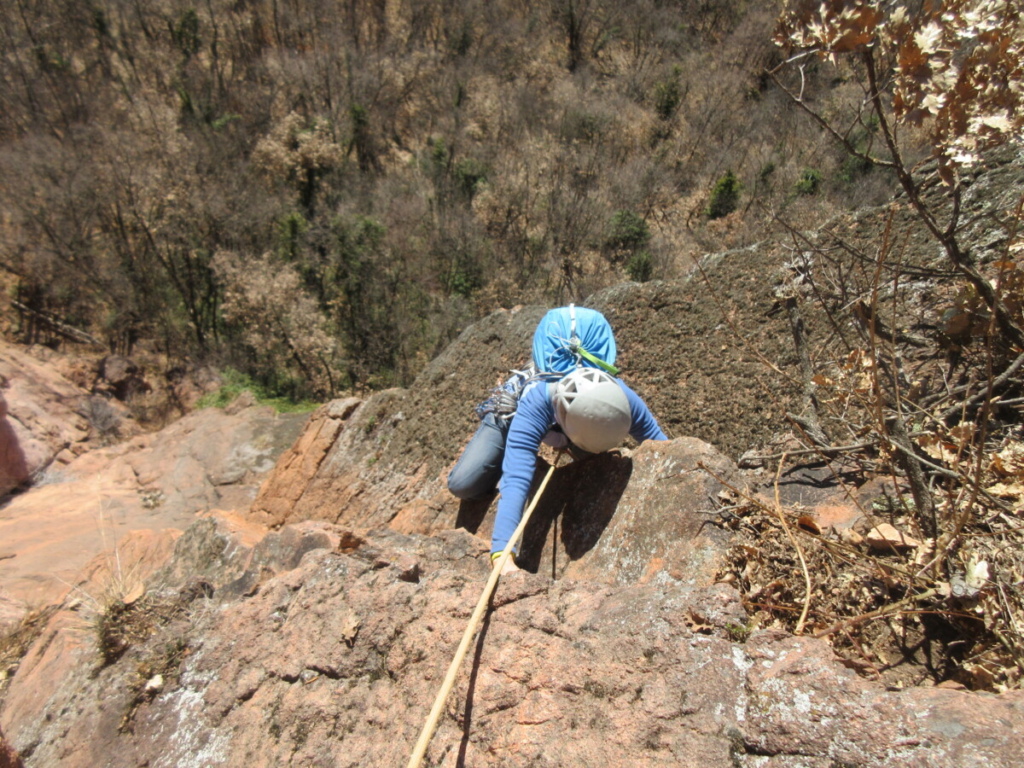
<point>534,417</point>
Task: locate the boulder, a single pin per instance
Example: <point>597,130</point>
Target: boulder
<point>120,377</point>
<point>40,418</point>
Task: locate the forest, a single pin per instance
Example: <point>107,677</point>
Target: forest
<point>321,194</point>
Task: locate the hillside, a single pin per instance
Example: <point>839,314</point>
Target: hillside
<point>655,620</point>
<point>810,256</point>
<point>323,196</point>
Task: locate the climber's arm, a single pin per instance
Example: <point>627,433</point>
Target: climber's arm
<point>645,426</point>
<point>531,422</point>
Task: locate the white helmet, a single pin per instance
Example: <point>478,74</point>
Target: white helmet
<point>592,409</point>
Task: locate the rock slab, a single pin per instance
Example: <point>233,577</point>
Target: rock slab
<point>336,661</point>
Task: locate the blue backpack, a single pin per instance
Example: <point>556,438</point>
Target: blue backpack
<point>572,337</point>
<point>567,338</point>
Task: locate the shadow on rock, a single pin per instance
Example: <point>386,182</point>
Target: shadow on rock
<point>14,470</point>
<point>578,505</point>
<point>473,511</point>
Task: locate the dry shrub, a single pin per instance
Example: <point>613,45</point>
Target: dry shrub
<point>277,319</point>
<point>908,378</point>
<point>14,644</point>
<point>918,380</point>
<point>880,609</point>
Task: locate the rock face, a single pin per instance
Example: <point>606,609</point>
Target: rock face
<point>336,659</point>
<point>657,500</point>
<point>40,418</point>
<point>311,623</point>
<point>210,459</point>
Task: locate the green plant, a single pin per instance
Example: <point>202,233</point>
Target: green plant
<point>234,383</point>
<point>725,196</point>
<point>627,231</point>
<point>668,94</point>
<point>470,173</point>
<point>463,279</point>
<point>185,33</point>
<point>290,231</point>
<point>50,60</point>
<point>810,181</point>
<point>739,633</point>
<point>640,267</point>
<point>854,167</point>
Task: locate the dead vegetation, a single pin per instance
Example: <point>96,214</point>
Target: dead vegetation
<point>874,594</point>
<point>479,155</point>
<point>912,390</point>
<point>156,624</point>
<point>912,412</point>
<point>15,643</point>
<point>130,617</point>
<point>907,325</point>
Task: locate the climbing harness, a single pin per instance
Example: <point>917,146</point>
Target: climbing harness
<point>474,622</point>
<point>504,399</point>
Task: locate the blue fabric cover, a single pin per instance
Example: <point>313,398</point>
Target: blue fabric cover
<point>551,340</point>
<point>533,419</point>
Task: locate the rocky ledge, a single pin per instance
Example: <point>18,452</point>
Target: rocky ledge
<point>325,647</point>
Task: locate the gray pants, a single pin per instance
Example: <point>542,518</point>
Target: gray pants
<point>477,472</point>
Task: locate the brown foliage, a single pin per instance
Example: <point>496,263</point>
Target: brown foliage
<point>491,142</point>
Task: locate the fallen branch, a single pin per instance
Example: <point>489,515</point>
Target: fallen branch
<point>799,551</point>
<point>51,322</point>
<point>888,610</point>
<point>826,452</point>
<point>998,382</point>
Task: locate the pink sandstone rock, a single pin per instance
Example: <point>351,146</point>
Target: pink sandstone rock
<point>280,494</point>
<point>659,499</point>
<point>209,459</point>
<point>335,657</point>
<point>40,419</point>
<point>324,640</point>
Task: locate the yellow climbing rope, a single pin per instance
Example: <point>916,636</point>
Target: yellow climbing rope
<point>481,607</point>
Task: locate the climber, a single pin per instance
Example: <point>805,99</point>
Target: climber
<point>569,398</point>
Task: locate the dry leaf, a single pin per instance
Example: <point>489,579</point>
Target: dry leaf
<point>851,537</point>
<point>350,628</point>
<point>885,537</point>
<point>134,594</point>
<point>809,524</point>
<point>698,623</point>
<point>1009,462</point>
<point>925,552</point>
<point>1006,490</point>
<point>977,575</point>
<point>937,448</point>
<point>963,433</point>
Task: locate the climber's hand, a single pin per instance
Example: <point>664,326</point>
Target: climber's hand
<point>509,567</point>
